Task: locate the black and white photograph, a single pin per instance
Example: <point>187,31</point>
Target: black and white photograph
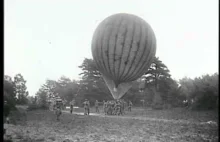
<point>111,71</point>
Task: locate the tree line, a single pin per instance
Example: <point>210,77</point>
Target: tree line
<point>156,89</point>
<point>15,92</point>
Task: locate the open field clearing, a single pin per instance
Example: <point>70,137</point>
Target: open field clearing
<point>171,114</point>
<point>41,125</point>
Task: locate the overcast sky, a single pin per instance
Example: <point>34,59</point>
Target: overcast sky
<point>50,38</point>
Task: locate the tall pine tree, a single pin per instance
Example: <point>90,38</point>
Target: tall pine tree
<point>20,89</point>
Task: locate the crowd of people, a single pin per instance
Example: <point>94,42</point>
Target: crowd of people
<point>110,107</point>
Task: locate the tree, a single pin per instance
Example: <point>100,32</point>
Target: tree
<point>9,90</point>
<point>174,96</point>
<point>159,82</point>
<point>31,100</point>
<point>20,89</point>
<point>157,71</point>
<point>9,95</point>
<point>50,87</point>
<point>157,100</point>
<point>187,88</point>
<point>206,95</point>
<point>201,92</point>
<point>157,78</point>
<point>42,98</point>
<point>92,85</point>
<point>67,88</point>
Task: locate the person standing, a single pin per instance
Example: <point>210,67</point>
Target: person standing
<point>123,103</point>
<point>129,106</point>
<point>58,112</point>
<point>105,107</point>
<point>86,107</point>
<point>108,107</point>
<point>7,110</point>
<point>121,107</point>
<point>71,108</point>
<point>64,104</point>
<point>117,108</point>
<point>97,106</point>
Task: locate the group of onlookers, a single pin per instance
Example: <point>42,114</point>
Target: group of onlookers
<point>110,107</point>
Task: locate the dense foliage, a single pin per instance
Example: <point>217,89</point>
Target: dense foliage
<point>156,89</point>
<point>20,89</point>
<point>14,92</point>
<point>201,92</point>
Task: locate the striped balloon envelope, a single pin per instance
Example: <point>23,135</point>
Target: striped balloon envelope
<point>123,47</point>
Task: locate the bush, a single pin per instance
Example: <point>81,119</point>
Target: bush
<point>205,101</point>
<point>32,107</point>
<point>9,103</point>
<point>18,116</point>
<point>203,90</point>
<point>36,107</point>
<point>45,106</point>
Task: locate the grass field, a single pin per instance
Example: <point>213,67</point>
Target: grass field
<point>140,125</point>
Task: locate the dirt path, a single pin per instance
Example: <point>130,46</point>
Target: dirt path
<point>147,118</point>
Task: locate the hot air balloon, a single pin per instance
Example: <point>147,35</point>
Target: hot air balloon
<point>123,47</point>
